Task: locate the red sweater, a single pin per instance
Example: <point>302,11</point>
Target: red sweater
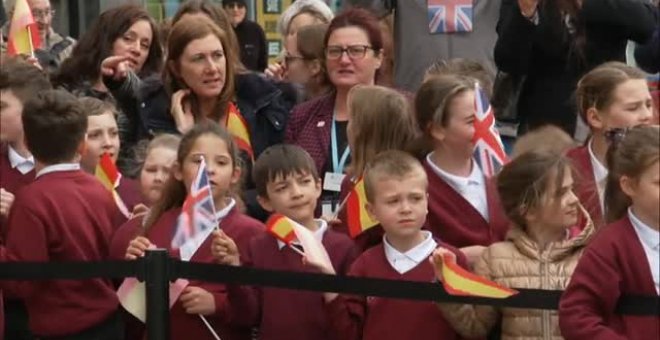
<point>284,314</point>
<point>123,236</point>
<point>241,229</point>
<point>455,221</point>
<point>129,191</point>
<point>375,318</point>
<point>585,184</point>
<point>11,179</point>
<point>42,227</point>
<point>613,264</point>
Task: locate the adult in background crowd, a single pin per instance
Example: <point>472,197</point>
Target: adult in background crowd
<point>305,61</point>
<point>55,48</point>
<point>251,37</point>
<point>554,43</point>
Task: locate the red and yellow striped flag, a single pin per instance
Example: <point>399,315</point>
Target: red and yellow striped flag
<point>356,212</point>
<point>107,173</point>
<point>237,126</point>
<point>458,281</point>
<point>281,227</point>
<point>23,33</point>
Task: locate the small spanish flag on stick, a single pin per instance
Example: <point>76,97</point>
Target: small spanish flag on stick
<point>237,126</point>
<point>356,212</point>
<point>107,173</point>
<point>458,281</point>
<point>282,228</point>
<point>23,33</point>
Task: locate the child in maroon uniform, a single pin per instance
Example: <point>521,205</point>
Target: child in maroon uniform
<point>220,153</point>
<point>464,208</point>
<point>43,227</point>
<point>287,183</point>
<point>103,137</point>
<point>396,189</point>
<point>623,258</point>
<point>19,80</point>
<point>613,95</point>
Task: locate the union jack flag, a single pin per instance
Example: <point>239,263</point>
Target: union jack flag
<point>488,147</point>
<point>447,16</point>
<point>198,212</point>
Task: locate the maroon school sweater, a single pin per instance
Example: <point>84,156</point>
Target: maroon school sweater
<point>241,229</point>
<point>455,221</point>
<point>129,191</point>
<point>585,184</point>
<point>43,227</point>
<point>123,236</point>
<point>612,265</point>
<point>285,314</point>
<point>374,318</point>
<point>11,179</point>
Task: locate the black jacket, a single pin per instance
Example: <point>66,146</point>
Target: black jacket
<point>252,40</point>
<point>648,56</point>
<point>546,53</point>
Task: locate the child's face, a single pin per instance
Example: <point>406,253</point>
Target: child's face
<point>645,193</point>
<point>632,105</point>
<point>400,204</point>
<point>155,172</point>
<point>102,137</point>
<point>458,133</point>
<point>557,209</point>
<point>222,171</point>
<point>294,196</point>
<point>11,109</point>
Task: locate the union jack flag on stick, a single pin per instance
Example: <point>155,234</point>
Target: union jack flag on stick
<point>488,147</point>
<point>449,16</point>
<point>198,212</point>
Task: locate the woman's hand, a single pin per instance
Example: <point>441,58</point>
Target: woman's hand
<point>528,7</point>
<point>181,111</point>
<point>137,247</point>
<point>196,300</point>
<point>276,71</point>
<point>115,67</point>
<point>437,259</point>
<point>224,249</point>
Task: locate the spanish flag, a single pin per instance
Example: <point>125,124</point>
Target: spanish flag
<point>237,126</point>
<point>281,227</point>
<point>107,173</point>
<point>357,217</point>
<point>23,33</point>
<point>458,281</point>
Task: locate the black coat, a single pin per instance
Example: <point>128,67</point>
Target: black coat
<point>547,56</point>
<point>648,55</point>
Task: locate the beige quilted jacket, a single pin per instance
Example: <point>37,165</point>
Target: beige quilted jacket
<point>518,262</point>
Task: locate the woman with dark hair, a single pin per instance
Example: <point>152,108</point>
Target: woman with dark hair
<point>126,31</point>
<point>353,53</point>
<point>553,43</point>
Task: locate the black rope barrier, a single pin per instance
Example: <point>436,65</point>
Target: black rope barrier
<point>157,269</point>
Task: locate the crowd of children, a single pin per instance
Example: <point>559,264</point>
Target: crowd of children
<point>584,219</point>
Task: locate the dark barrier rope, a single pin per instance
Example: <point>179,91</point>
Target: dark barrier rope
<point>423,291</point>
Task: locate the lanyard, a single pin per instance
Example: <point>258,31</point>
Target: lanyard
<point>337,165</point>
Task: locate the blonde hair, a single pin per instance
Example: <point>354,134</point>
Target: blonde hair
<point>381,120</point>
<point>390,164</point>
<point>548,138</point>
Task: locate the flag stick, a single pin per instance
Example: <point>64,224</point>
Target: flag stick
<point>297,250</point>
<point>208,325</point>
<point>30,41</point>
<point>341,206</point>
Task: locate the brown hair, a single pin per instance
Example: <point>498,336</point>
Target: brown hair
<point>22,78</point>
<point>524,182</point>
<point>185,31</point>
<point>360,18</point>
<point>381,120</point>
<point>218,15</point>
<point>95,45</point>
<point>435,95</point>
<point>281,160</point>
<point>144,147</point>
<point>54,125</point>
<point>96,107</point>
<point>595,89</point>
<point>174,192</point>
<point>462,67</point>
<point>636,150</point>
<point>389,164</point>
<point>548,138</point>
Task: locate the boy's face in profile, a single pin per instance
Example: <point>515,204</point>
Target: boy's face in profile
<point>400,204</point>
<point>11,109</point>
<point>294,195</point>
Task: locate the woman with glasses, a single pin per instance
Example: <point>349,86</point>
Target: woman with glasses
<point>305,60</point>
<point>353,53</point>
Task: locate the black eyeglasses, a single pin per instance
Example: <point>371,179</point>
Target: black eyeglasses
<point>233,5</point>
<point>353,51</point>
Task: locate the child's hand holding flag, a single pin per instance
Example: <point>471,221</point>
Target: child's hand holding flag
<point>224,249</point>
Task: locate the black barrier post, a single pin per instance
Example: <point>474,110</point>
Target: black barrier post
<point>157,284</point>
